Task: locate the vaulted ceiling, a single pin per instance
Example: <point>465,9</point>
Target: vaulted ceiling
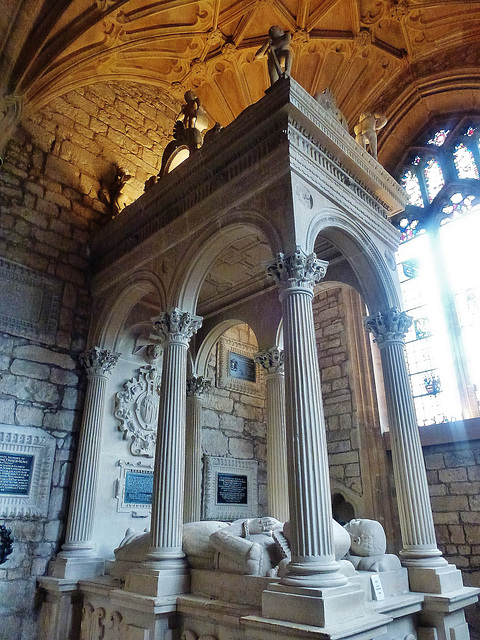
<point>407,58</point>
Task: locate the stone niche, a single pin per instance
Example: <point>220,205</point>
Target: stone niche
<point>26,463</point>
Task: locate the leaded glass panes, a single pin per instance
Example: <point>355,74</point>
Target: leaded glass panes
<point>433,178</point>
<point>412,187</point>
<point>459,243</point>
<point>464,162</point>
<point>458,206</point>
<point>439,137</point>
<point>409,229</point>
<point>428,357</point>
<point>470,131</point>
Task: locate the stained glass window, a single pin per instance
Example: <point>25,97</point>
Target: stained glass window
<point>412,186</point>
<point>470,131</point>
<point>433,178</point>
<point>439,138</point>
<point>409,229</point>
<point>458,206</point>
<point>464,162</point>
<point>416,161</point>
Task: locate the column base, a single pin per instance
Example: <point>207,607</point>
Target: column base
<point>313,606</point>
<point>152,580</point>
<point>443,616</point>
<point>442,579</point>
<point>76,567</point>
<point>61,609</point>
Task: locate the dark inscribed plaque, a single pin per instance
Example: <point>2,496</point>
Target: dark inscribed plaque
<point>231,489</point>
<point>138,487</point>
<point>241,367</point>
<point>15,474</point>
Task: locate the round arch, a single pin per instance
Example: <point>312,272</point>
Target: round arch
<point>118,305</point>
<point>208,247</point>
<point>376,279</point>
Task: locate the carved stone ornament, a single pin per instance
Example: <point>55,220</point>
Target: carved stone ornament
<point>136,406</point>
<point>6,543</point>
<point>297,270</point>
<point>271,360</point>
<point>176,325</point>
<point>388,326</point>
<point>99,362</point>
<point>197,385</point>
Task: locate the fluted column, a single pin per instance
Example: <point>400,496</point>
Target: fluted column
<point>196,386</point>
<point>277,480</point>
<point>311,538</point>
<point>175,329</point>
<point>78,540</point>
<point>416,520</point>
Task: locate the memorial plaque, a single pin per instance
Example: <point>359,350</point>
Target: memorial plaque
<point>15,474</point>
<point>26,465</point>
<point>241,367</point>
<point>138,488</point>
<point>231,489</point>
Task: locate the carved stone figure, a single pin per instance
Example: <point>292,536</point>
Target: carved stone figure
<point>190,109</point>
<point>366,131</point>
<point>368,546</point>
<point>248,547</point>
<point>111,190</point>
<point>327,100</point>
<point>279,54</point>
<point>212,133</point>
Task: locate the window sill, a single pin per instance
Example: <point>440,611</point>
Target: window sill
<point>445,433</point>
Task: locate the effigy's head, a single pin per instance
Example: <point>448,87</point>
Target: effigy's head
<point>367,537</point>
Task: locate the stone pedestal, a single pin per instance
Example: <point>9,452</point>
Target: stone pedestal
<point>196,386</point>
<point>165,573</point>
<point>277,481</point>
<point>77,558</point>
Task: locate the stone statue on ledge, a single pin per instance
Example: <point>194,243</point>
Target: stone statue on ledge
<point>366,131</point>
<point>279,54</point>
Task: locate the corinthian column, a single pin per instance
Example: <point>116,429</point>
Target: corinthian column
<point>196,386</point>
<point>77,555</point>
<point>416,520</point>
<point>311,535</point>
<point>277,481</point>
<point>165,572</point>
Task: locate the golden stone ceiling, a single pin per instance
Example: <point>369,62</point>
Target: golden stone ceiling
<point>394,56</point>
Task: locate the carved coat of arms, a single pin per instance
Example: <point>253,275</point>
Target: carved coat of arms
<point>136,406</point>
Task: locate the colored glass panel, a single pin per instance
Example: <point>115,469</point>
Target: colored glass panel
<point>464,162</point>
<point>412,186</point>
<point>439,138</point>
<point>433,178</point>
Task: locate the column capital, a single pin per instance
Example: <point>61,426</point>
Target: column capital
<point>388,326</point>
<point>270,359</point>
<point>197,385</point>
<point>297,270</point>
<point>176,326</point>
<point>99,362</point>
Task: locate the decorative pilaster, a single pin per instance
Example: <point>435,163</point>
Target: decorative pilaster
<point>98,364</point>
<point>196,387</point>
<point>277,480</point>
<point>416,520</point>
<point>165,572</point>
<point>311,535</point>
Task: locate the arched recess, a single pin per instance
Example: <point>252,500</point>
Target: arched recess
<point>118,305</point>
<point>189,278</point>
<point>376,279</point>
<point>205,349</point>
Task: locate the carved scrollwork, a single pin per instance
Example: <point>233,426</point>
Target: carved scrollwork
<point>270,359</point>
<point>136,406</point>
<point>297,270</point>
<point>177,325</point>
<point>388,326</point>
<point>99,362</point>
<point>6,543</point>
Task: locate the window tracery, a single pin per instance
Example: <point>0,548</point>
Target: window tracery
<point>440,284</point>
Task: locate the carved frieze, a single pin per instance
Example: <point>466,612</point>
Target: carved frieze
<point>136,406</point>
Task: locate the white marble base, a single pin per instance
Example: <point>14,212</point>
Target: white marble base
<point>76,567</point>
<point>438,580</point>
<point>61,608</point>
<point>148,581</point>
<point>312,606</point>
